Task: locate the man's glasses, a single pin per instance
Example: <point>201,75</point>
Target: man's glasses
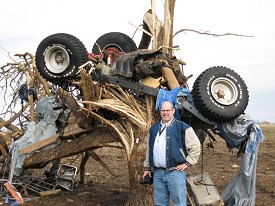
<point>165,110</point>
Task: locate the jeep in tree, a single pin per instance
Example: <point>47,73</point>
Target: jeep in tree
<point>219,94</point>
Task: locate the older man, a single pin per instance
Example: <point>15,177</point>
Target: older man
<point>173,146</point>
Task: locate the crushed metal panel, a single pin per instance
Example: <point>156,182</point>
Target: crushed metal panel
<point>48,110</point>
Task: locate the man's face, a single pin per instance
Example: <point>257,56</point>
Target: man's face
<point>166,112</point>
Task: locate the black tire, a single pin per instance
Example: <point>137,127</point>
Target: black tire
<point>112,44</point>
<point>59,56</point>
<point>220,94</point>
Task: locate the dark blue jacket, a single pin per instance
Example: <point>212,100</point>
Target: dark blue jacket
<point>175,140</point>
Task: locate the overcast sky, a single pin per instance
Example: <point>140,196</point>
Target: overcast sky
<point>24,24</point>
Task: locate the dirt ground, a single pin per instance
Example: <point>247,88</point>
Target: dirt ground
<point>103,189</point>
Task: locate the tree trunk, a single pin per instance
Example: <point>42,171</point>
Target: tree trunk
<point>168,24</point>
<point>139,195</point>
<point>100,136</point>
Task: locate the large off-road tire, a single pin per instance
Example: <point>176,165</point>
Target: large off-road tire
<point>112,44</point>
<point>220,94</point>
<point>59,56</point>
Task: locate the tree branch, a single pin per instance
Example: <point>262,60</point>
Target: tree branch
<point>210,34</point>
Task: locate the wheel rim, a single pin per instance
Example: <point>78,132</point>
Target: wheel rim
<point>57,59</point>
<point>224,91</point>
<point>112,51</point>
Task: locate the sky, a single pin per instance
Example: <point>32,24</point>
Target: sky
<point>24,24</point>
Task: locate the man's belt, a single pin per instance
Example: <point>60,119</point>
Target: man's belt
<point>167,169</point>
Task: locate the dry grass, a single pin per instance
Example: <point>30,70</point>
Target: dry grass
<point>268,130</point>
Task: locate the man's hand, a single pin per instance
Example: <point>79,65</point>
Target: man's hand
<point>147,173</point>
<point>182,167</point>
<point>147,178</point>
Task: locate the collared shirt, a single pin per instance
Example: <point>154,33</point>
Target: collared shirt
<point>159,150</point>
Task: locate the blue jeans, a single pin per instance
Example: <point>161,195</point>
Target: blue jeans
<point>169,183</point>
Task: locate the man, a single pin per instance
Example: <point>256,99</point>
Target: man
<point>173,146</point>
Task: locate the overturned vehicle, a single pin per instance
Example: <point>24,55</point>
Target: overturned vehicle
<point>218,95</point>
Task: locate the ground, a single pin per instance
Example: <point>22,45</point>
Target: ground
<point>103,189</point>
